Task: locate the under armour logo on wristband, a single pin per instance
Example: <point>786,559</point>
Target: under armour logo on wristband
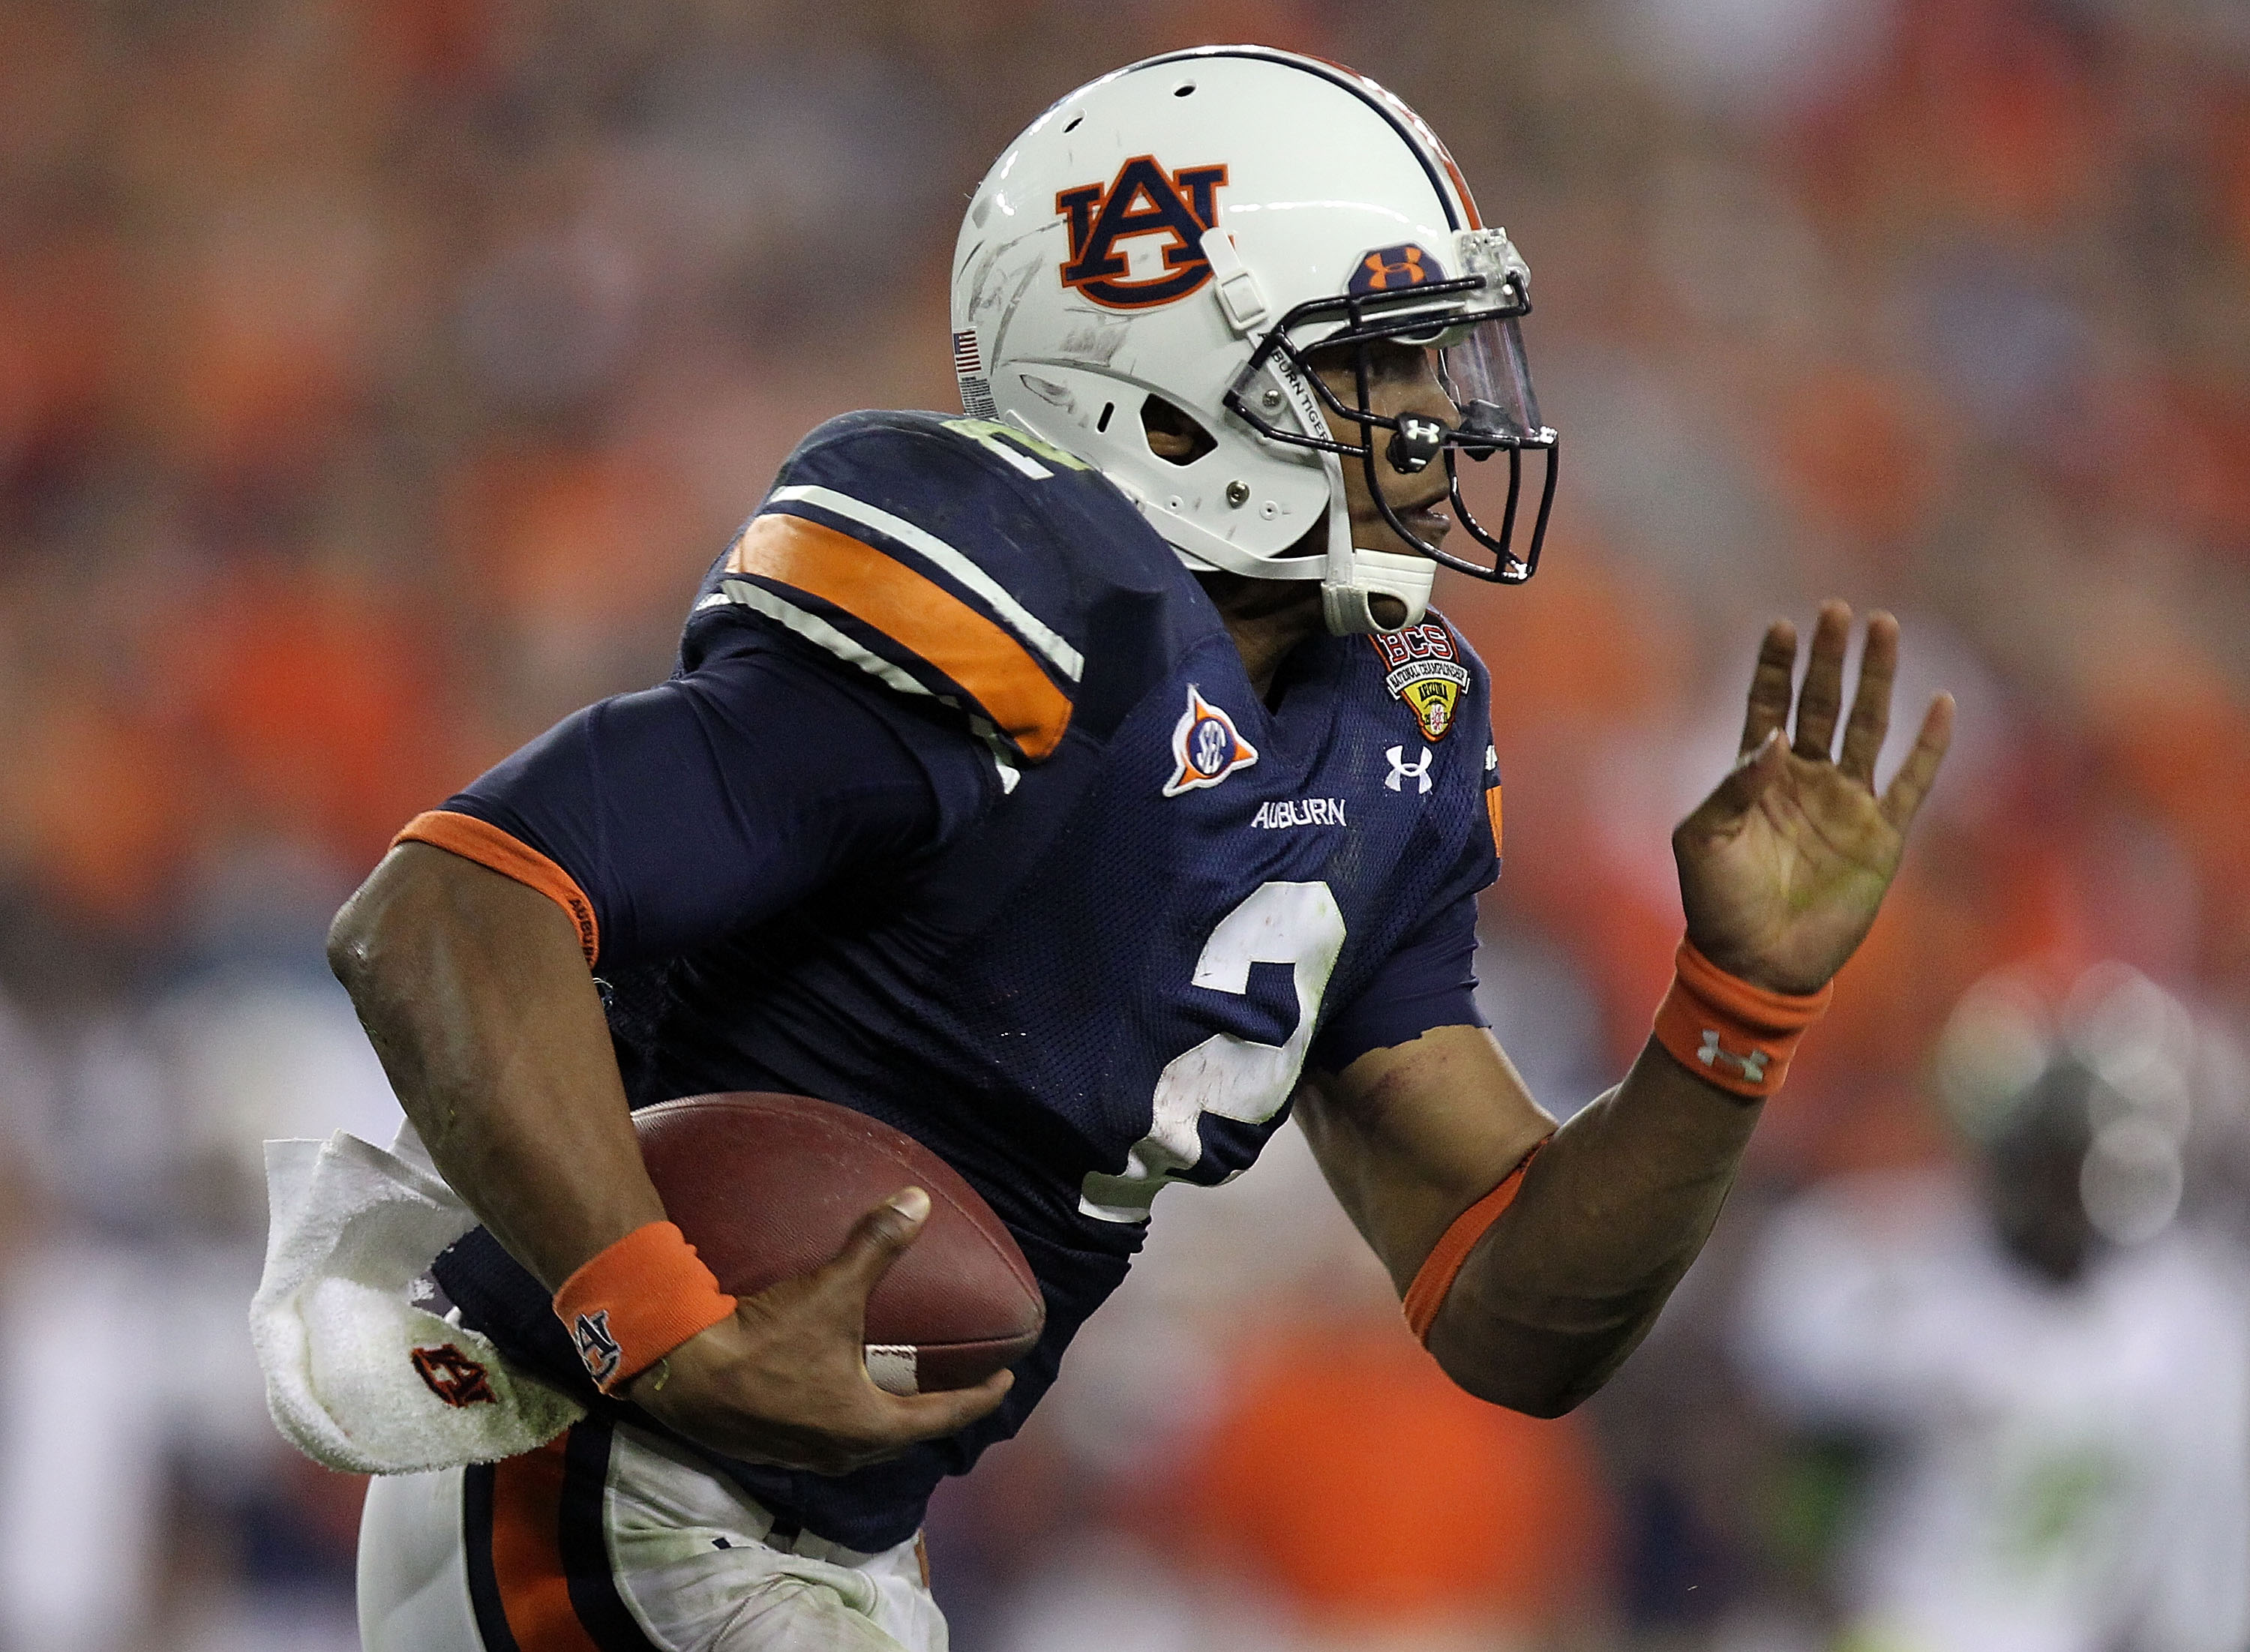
<point>1752,1066</point>
<point>1707,1005</point>
<point>595,1345</point>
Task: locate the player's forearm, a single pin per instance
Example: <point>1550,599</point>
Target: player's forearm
<point>477,998</point>
<point>1610,1215</point>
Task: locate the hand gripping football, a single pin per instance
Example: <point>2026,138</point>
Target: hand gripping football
<point>766,1186</point>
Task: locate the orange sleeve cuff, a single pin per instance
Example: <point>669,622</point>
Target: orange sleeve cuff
<point>628,1306</point>
<point>485,843</point>
<point>1428,1294</point>
<point>1727,1030</point>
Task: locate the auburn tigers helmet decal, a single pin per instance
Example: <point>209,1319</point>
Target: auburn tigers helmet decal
<point>1142,198</point>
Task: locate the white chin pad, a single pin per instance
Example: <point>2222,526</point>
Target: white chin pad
<point>1347,605</point>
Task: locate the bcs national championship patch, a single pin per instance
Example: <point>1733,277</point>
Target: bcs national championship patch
<point>1205,748</point>
<point>1425,671</point>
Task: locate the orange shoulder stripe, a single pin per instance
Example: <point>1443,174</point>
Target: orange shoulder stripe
<point>1492,814</point>
<point>1440,1269</point>
<point>526,1553</point>
<point>485,843</point>
<point>914,612</point>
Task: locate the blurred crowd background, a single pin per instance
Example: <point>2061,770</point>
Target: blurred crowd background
<point>377,376</point>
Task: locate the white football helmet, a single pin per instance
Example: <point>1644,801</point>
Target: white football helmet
<point>1188,228</point>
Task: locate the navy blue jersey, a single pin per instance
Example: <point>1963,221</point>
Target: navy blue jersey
<point>962,811</point>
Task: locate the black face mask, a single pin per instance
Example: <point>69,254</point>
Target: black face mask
<point>1480,365</point>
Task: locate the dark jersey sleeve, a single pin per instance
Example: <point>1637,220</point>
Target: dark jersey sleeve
<point>692,810</point>
<point>1430,977</point>
<point>1428,980</point>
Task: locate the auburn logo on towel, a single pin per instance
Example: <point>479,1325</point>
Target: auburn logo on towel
<point>453,1377</point>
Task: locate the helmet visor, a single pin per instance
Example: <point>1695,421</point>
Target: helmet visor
<point>1489,381</point>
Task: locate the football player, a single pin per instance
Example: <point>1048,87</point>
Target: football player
<point>1001,750</point>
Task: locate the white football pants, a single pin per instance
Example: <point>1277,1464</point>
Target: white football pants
<point>604,1540</point>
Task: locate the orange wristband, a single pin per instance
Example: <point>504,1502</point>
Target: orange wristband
<point>1440,1269</point>
<point>628,1306</point>
<point>1737,1036</point>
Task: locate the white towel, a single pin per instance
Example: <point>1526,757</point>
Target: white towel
<point>358,1377</point>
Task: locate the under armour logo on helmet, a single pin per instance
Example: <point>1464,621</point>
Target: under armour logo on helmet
<point>1416,442</point>
<point>1752,1066</point>
<point>1400,769</point>
<point>1388,269</point>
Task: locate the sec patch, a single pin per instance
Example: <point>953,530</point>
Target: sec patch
<point>1424,672</point>
<point>1205,747</point>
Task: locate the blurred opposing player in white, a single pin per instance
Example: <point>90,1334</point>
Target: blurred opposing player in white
<point>145,1138</point>
<point>2057,1371</point>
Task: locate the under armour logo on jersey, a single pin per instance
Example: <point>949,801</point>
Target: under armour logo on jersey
<point>1402,770</point>
<point>452,1376</point>
<point>595,1345</point>
<point>1752,1066</point>
<point>1205,748</point>
<point>1142,200</point>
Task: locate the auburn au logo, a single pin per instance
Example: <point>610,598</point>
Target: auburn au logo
<point>452,1376</point>
<point>1143,199</point>
<point>596,1347</point>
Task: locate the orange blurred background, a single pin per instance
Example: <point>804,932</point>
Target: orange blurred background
<point>376,379</point>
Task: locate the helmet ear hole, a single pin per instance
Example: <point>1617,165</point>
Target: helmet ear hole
<point>1173,435</point>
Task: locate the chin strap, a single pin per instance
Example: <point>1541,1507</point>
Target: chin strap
<point>1350,579</point>
<point>1348,606</point>
<point>1355,578</point>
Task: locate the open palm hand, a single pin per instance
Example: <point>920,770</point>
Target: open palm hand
<point>1784,867</point>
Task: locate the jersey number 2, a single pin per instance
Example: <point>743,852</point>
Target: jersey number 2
<point>1233,1078</point>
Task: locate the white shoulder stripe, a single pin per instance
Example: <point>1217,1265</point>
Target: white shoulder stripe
<point>1028,626</point>
<point>814,629</point>
<point>820,633</point>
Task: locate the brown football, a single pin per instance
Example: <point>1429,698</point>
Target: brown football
<point>766,1186</point>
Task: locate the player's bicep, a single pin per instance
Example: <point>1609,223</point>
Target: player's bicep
<point>1410,1135</point>
<point>1412,1109</point>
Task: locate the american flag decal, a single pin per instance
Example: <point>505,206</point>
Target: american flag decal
<point>968,367</point>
